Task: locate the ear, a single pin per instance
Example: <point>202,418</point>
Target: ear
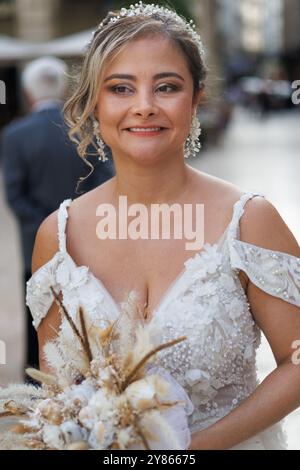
<point>95,113</point>
<point>197,98</point>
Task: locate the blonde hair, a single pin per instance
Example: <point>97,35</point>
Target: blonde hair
<point>108,41</point>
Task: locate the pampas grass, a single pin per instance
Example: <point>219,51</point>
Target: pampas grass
<point>99,394</point>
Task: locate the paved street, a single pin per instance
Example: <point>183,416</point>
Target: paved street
<point>11,313</point>
<point>256,155</point>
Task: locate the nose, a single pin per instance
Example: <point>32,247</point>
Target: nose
<point>144,104</point>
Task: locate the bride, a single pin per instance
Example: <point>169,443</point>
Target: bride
<point>140,87</point>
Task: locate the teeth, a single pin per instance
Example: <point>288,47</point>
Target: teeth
<point>149,129</point>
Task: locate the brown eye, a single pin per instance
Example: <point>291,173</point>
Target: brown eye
<point>119,89</point>
<point>171,88</point>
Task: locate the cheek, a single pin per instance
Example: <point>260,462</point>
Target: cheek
<point>110,111</point>
<point>181,109</point>
<point>182,114</point>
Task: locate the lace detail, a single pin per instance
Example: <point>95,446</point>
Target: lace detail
<point>274,272</point>
<point>62,221</point>
<point>206,303</point>
<point>216,365</point>
<point>238,211</point>
<point>78,287</point>
<point>39,297</point>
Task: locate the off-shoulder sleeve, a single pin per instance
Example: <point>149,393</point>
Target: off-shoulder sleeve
<point>274,272</point>
<point>39,297</point>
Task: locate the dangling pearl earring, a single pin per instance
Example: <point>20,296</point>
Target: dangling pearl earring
<point>101,146</point>
<point>192,144</point>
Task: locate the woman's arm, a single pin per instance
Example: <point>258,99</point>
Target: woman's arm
<point>279,394</point>
<point>45,247</point>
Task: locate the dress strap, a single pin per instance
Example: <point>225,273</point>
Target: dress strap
<point>238,211</point>
<point>62,221</point>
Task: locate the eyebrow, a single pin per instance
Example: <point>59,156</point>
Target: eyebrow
<point>133,77</point>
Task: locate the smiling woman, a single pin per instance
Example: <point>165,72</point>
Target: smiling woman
<point>164,101</point>
<point>139,91</point>
<point>117,48</point>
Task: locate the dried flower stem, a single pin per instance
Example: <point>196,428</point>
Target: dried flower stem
<point>64,310</point>
<point>85,335</point>
<point>134,419</point>
<point>72,324</point>
<point>4,414</point>
<point>140,364</point>
<point>40,376</point>
<point>141,435</point>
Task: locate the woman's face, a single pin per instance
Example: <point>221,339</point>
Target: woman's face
<point>154,89</point>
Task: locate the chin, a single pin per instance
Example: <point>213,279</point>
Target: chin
<point>146,159</point>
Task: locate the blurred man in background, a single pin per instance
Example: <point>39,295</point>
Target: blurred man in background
<point>41,165</point>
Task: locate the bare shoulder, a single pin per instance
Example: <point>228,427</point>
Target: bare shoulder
<point>85,205</point>
<point>217,191</point>
<point>262,225</point>
<point>46,242</point>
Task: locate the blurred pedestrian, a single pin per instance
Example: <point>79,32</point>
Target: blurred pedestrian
<point>41,165</point>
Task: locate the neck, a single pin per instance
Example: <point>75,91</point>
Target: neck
<point>156,184</point>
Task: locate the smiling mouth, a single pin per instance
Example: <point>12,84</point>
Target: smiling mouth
<point>145,130</point>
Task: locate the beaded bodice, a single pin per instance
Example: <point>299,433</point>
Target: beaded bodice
<point>206,303</point>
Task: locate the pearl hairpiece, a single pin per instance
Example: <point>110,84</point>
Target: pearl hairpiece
<point>150,9</point>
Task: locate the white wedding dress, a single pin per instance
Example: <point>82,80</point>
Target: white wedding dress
<point>206,302</point>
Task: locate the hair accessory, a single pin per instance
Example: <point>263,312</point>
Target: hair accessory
<point>101,146</point>
<point>192,144</point>
<point>141,8</point>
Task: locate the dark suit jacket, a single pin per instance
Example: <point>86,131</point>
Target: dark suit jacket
<point>41,169</point>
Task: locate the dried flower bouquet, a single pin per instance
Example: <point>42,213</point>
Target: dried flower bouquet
<point>105,393</point>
